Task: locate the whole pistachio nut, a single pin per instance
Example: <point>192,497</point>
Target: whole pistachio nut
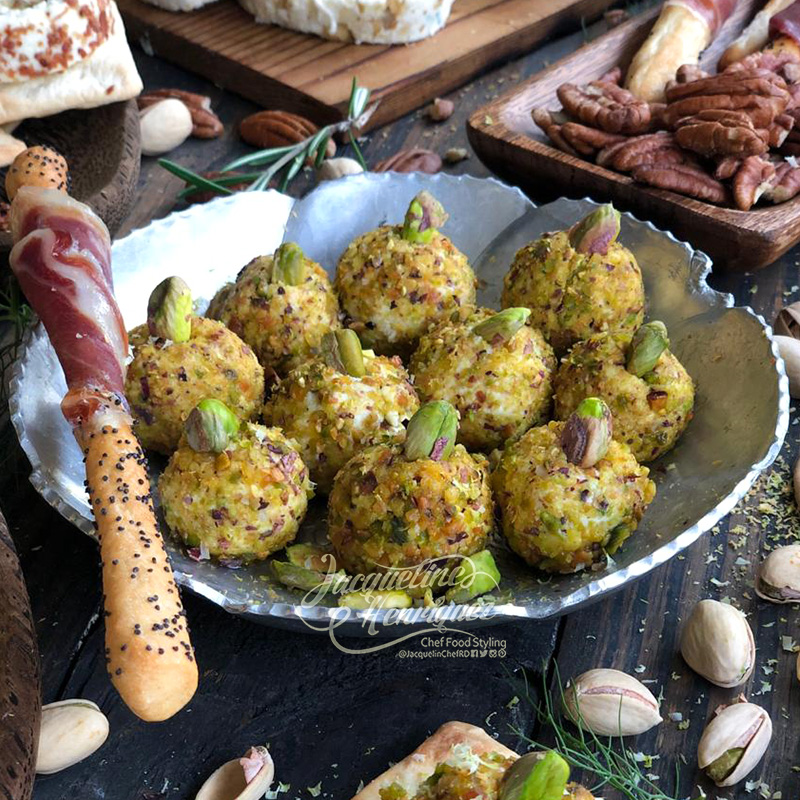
<point>246,778</point>
<point>778,578</point>
<point>210,426</point>
<point>596,232</point>
<point>70,731</point>
<point>587,433</point>
<point>646,347</point>
<point>787,322</point>
<point>501,327</point>
<point>789,348</point>
<point>734,742</point>
<point>424,217</point>
<point>610,703</point>
<point>288,265</point>
<point>432,432</point>
<point>717,643</point>
<point>169,310</point>
<point>341,350</point>
<point>539,776</point>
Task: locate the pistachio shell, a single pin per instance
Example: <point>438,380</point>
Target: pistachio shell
<point>229,782</point>
<point>789,349</point>
<point>739,725</point>
<point>778,578</point>
<point>611,703</point>
<point>70,731</point>
<point>718,644</point>
<point>787,323</point>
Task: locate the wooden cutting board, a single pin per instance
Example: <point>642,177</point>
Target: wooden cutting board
<point>277,68</point>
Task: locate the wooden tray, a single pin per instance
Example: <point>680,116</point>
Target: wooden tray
<point>102,148</point>
<point>292,71</point>
<point>20,690</point>
<point>507,140</point>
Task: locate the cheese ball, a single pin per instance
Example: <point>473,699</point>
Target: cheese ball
<point>578,282</point>
<point>389,510</point>
<point>650,412</point>
<point>281,305</point>
<point>496,370</point>
<point>167,377</point>
<point>331,414</point>
<point>394,282</point>
<point>240,504</point>
<point>563,517</point>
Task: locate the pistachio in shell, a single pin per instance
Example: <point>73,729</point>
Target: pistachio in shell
<point>787,322</point>
<point>288,265</point>
<point>432,432</point>
<point>587,433</point>
<point>789,348</point>
<point>424,217</point>
<point>596,232</point>
<point>210,426</point>
<point>246,778</point>
<point>778,578</point>
<point>648,344</point>
<point>169,310</point>
<point>70,731</point>
<point>502,327</point>
<point>717,643</point>
<point>341,349</point>
<point>608,702</point>
<point>734,742</point>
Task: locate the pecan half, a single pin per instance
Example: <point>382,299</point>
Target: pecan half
<point>683,179</point>
<point>587,141</point>
<point>549,122</point>
<point>750,182</point>
<point>761,110</point>
<point>715,132</point>
<point>727,167</point>
<point>205,123</point>
<point>416,159</point>
<point>614,75</point>
<point>267,129</point>
<point>785,184</point>
<point>606,106</point>
<point>782,126</point>
<point>653,148</point>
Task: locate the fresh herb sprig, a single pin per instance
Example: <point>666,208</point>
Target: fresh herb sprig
<point>285,162</point>
<point>612,765</point>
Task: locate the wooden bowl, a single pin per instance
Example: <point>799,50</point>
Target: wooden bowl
<point>102,148</point>
<point>508,141</point>
<point>20,689</point>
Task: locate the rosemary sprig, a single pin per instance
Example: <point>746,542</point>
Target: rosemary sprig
<point>287,160</point>
<point>612,766</point>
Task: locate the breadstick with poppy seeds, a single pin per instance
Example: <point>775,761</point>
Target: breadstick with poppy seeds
<point>62,259</point>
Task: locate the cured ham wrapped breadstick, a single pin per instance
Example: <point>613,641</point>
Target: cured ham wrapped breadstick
<point>682,31</point>
<point>62,259</point>
<point>755,35</point>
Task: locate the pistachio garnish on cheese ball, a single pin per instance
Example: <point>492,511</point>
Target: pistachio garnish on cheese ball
<point>169,310</point>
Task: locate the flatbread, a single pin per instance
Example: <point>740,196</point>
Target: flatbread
<point>415,768</point>
<point>108,75</point>
<point>372,21</point>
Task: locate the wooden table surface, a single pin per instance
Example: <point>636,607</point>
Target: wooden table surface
<point>332,720</point>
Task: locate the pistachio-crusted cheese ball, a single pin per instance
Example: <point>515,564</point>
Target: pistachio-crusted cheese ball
<point>400,505</point>
<point>650,394</point>
<point>335,405</point>
<point>237,492</point>
<point>568,493</point>
<point>281,305</point>
<point>178,359</point>
<point>495,369</point>
<point>578,282</point>
<point>396,281</point>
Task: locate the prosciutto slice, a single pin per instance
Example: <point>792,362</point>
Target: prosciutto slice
<point>712,12</point>
<point>786,23</point>
<point>62,259</point>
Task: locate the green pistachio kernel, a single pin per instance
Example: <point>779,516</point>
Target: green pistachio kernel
<point>169,310</point>
<point>288,265</point>
<point>424,217</point>
<point>385,598</point>
<point>596,232</point>
<point>501,328</point>
<point>432,432</point>
<point>536,777</point>
<point>586,435</point>
<point>210,426</point>
<point>646,347</point>
<point>476,575</point>
<point>720,769</point>
<point>341,350</point>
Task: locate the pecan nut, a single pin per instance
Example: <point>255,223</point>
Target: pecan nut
<point>416,159</point>
<point>587,141</point>
<point>606,106</point>
<point>750,182</point>
<point>205,123</point>
<point>785,184</point>
<point>550,122</point>
<point>727,167</point>
<point>653,148</point>
<point>684,179</point>
<point>268,129</point>
<point>716,132</point>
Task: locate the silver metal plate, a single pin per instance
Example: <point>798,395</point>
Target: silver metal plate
<point>737,431</point>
